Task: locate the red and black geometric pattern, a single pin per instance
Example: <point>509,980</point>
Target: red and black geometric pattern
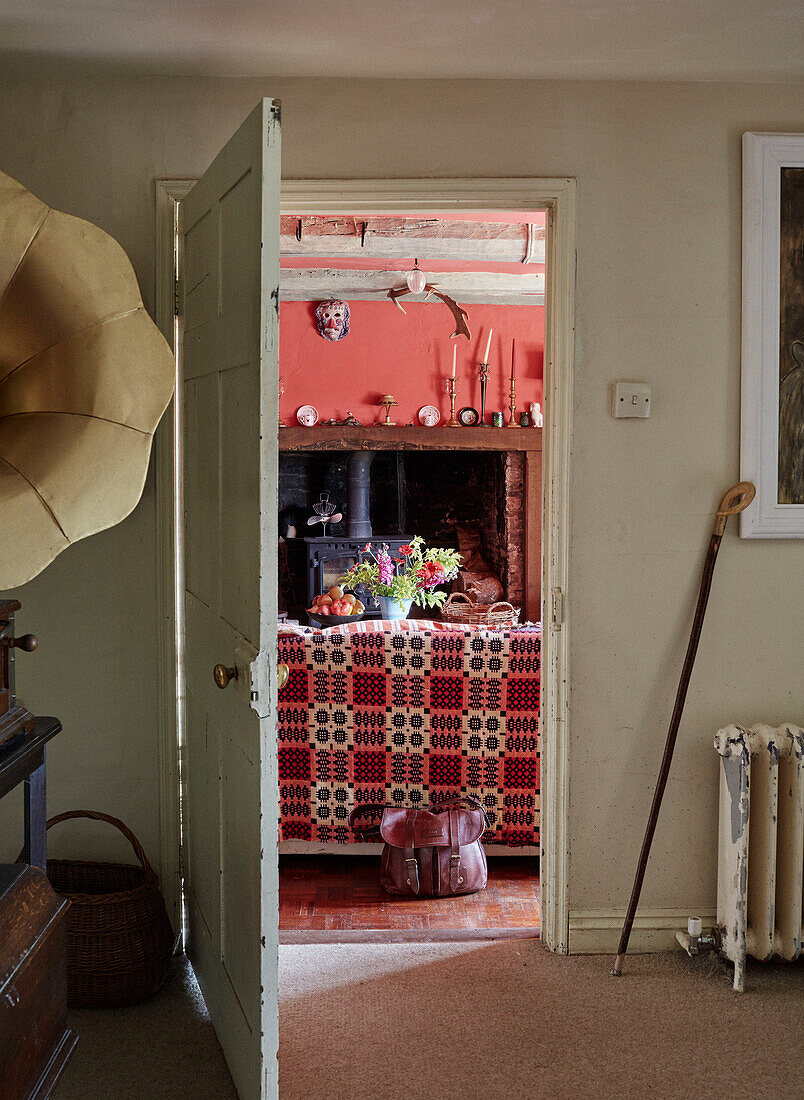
<point>409,718</point>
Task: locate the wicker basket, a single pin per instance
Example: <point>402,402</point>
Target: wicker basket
<point>460,609</point>
<point>119,939</point>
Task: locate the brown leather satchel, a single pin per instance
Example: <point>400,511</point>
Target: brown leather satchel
<point>430,853</point>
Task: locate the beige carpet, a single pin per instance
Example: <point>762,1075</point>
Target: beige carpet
<point>162,1048</point>
<point>505,1021</point>
<point>510,1021</point>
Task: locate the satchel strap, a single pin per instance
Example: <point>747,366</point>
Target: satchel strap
<point>458,800</point>
<point>455,850</point>
<point>372,814</point>
<point>411,866</point>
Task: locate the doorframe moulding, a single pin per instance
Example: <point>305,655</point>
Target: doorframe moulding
<point>394,196</point>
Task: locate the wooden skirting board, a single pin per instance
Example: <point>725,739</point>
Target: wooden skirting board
<point>597,931</point>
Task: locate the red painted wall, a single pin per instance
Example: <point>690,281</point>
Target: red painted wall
<point>408,356</point>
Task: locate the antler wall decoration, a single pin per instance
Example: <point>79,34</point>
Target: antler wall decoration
<point>460,315</point>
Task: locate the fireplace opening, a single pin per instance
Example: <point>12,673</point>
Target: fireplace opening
<point>472,501</point>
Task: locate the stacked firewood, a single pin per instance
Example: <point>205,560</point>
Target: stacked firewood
<point>477,579</point>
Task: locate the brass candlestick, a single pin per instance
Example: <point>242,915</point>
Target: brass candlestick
<point>281,390</point>
<point>452,385</point>
<point>512,404</point>
<point>484,378</point>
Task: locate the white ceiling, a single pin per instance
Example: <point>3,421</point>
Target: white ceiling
<point>573,39</point>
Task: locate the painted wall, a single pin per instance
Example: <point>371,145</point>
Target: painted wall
<point>408,355</point>
<point>658,169</point>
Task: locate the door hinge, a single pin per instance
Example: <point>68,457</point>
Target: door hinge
<point>557,614</point>
<point>177,298</point>
<point>181,862</point>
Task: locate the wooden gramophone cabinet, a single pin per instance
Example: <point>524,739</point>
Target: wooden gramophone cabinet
<point>35,1042</point>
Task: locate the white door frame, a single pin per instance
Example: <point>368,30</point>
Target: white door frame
<point>557,197</point>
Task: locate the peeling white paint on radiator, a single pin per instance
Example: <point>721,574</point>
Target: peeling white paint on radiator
<point>760,843</point>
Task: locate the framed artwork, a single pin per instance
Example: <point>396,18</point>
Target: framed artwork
<point>772,426</point>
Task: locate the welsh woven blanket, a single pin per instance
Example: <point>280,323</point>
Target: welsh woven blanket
<point>408,718</point>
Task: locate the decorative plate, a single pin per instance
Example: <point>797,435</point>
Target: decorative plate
<point>469,417</point>
<point>307,416</point>
<point>429,416</point>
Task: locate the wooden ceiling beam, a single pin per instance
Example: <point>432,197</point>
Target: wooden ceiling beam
<point>466,287</point>
<point>424,238</point>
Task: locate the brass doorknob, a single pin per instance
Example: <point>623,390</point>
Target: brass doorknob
<point>282,674</point>
<point>223,675</point>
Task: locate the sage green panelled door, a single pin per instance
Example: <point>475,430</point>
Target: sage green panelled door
<point>230,279</point>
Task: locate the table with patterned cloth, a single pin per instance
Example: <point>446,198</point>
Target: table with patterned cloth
<point>408,718</point>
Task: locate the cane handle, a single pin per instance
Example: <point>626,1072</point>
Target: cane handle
<point>735,500</point>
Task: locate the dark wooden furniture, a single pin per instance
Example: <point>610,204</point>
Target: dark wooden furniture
<point>375,437</point>
<point>22,760</point>
<point>14,719</point>
<point>35,1042</point>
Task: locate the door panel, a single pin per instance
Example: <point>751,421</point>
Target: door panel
<point>230,273</point>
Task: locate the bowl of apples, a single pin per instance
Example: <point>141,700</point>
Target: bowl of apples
<point>336,607</point>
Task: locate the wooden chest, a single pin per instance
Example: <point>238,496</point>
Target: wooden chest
<point>35,1042</point>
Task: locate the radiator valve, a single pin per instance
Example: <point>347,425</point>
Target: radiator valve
<point>693,941</point>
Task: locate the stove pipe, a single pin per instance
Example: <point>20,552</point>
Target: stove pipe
<point>358,479</point>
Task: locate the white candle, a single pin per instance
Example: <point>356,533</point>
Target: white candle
<point>488,346</point>
<point>454,354</point>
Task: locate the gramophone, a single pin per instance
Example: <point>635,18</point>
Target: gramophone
<point>85,376</point>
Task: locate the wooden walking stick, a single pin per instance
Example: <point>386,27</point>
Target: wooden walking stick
<point>736,500</point>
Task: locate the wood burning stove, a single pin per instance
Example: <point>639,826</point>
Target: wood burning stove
<point>328,558</point>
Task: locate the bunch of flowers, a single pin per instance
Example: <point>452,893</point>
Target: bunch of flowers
<point>420,573</point>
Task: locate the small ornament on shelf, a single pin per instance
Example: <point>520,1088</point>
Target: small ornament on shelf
<point>386,402</point>
<point>536,417</point>
<point>429,416</point>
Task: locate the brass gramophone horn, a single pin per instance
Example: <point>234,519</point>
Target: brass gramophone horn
<point>85,376</point>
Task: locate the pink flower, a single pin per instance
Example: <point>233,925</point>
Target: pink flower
<point>430,574</point>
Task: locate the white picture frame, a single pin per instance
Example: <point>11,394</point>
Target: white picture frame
<point>764,157</point>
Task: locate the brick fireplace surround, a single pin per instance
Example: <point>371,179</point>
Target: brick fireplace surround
<point>447,479</point>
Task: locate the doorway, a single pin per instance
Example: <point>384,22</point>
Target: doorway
<point>557,198</point>
<point>423,732</point>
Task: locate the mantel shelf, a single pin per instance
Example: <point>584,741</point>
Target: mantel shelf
<point>375,437</point>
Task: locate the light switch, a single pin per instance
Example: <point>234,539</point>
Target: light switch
<point>630,399</point>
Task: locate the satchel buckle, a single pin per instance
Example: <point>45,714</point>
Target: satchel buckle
<point>454,857</point>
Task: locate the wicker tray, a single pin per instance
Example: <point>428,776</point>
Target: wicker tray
<point>119,939</point>
<point>460,609</point>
